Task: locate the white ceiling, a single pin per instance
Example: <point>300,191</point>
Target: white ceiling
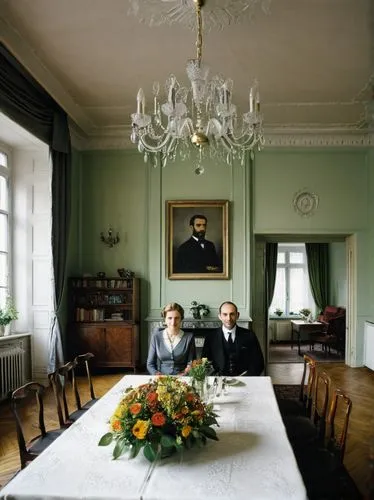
<point>314,59</point>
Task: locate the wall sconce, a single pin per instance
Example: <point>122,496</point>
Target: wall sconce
<point>110,239</point>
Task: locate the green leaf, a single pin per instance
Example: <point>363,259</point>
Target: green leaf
<point>106,439</point>
<point>149,452</point>
<point>119,448</point>
<point>208,432</point>
<point>135,448</point>
<point>167,441</point>
<point>210,421</point>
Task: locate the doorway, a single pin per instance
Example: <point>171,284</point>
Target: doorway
<point>342,292</point>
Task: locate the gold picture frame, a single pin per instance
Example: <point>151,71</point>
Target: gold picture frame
<point>191,256</point>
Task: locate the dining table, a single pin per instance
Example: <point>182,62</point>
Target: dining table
<point>253,458</point>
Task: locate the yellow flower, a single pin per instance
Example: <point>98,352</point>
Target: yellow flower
<point>140,429</point>
<point>186,431</point>
<point>120,411</point>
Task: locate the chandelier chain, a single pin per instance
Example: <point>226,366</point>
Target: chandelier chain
<point>199,36</point>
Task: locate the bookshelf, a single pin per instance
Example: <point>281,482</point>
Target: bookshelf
<point>105,320</point>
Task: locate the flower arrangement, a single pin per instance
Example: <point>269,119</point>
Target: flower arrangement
<point>199,310</point>
<point>199,369</point>
<point>162,416</point>
<point>305,312</point>
<point>9,312</point>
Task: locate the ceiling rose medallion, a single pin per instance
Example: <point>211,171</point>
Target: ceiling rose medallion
<point>217,13</point>
<point>305,203</point>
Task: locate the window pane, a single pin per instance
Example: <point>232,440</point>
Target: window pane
<point>3,193</point>
<point>3,269</point>
<point>296,258</point>
<point>299,288</point>
<point>3,232</point>
<point>279,298</point>
<point>3,294</point>
<point>3,159</point>
<point>281,258</point>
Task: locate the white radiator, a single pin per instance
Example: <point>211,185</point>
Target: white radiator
<point>12,368</point>
<point>369,345</point>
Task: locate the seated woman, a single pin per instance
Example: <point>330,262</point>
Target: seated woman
<point>171,349</point>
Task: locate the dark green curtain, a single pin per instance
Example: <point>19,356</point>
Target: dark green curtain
<point>318,268</point>
<point>28,104</point>
<point>271,258</point>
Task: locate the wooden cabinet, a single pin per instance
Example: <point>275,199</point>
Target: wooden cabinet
<point>105,320</point>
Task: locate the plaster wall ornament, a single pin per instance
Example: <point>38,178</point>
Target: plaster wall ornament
<point>305,203</point>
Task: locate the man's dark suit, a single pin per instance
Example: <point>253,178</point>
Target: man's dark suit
<point>248,351</point>
<point>192,258</point>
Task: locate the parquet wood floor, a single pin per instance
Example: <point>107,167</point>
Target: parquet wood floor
<point>358,383</point>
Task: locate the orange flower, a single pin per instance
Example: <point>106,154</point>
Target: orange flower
<point>135,408</point>
<point>152,398</point>
<point>186,431</point>
<point>190,397</point>
<point>158,419</point>
<point>116,425</point>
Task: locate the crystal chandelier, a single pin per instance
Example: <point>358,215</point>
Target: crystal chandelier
<point>198,121</point>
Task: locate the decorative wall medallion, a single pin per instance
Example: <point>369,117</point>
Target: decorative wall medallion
<point>305,203</point>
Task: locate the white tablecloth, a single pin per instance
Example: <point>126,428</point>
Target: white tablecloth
<point>252,459</point>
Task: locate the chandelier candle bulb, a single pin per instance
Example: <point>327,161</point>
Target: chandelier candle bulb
<point>251,100</point>
<point>258,101</point>
<point>139,98</point>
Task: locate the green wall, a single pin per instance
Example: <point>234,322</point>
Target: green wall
<point>116,188</point>
<point>338,274</point>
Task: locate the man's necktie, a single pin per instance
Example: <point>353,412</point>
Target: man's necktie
<point>229,340</point>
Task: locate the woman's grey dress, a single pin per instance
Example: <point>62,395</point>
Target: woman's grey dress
<point>160,359</point>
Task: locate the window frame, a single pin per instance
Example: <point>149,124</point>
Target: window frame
<point>288,248</point>
<point>6,172</point>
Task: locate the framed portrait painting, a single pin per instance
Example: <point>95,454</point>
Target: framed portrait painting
<point>197,240</point>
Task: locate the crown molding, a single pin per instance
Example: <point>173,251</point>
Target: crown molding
<point>119,138</point>
<point>319,138</point>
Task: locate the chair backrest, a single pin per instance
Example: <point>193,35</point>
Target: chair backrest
<point>19,398</point>
<point>320,402</point>
<point>83,359</point>
<point>337,423</point>
<point>60,381</point>
<point>306,389</point>
<point>55,382</point>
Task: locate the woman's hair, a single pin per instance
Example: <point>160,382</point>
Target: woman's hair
<point>173,306</point>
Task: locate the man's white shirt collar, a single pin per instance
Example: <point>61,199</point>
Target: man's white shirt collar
<point>226,333</point>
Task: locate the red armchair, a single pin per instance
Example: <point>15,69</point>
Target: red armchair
<point>332,334</point>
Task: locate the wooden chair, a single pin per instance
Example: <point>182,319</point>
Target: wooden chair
<point>61,379</point>
<point>302,406</point>
<point>321,465</point>
<point>28,450</point>
<point>302,429</point>
<point>81,360</point>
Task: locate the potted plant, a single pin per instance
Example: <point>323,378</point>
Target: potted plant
<point>305,313</point>
<point>199,310</point>
<point>278,312</point>
<point>8,313</point>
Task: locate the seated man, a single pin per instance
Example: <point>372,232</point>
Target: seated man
<point>232,349</point>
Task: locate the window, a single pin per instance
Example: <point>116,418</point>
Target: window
<point>4,226</point>
<point>292,289</point>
